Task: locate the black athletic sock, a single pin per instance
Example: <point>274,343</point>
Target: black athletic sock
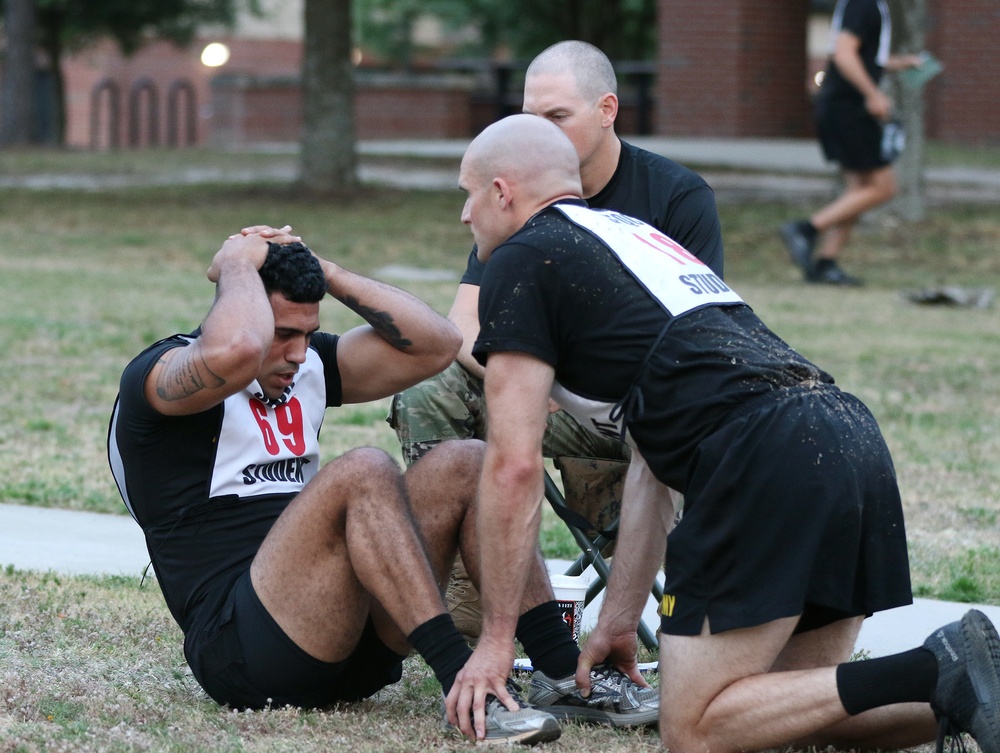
<point>900,678</point>
<point>443,648</point>
<point>547,640</point>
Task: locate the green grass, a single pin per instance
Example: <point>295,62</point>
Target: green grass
<point>940,154</point>
<point>90,278</point>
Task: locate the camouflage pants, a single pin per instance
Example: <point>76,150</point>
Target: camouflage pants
<point>452,405</point>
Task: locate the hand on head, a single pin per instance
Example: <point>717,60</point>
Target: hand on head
<point>275,235</point>
<point>249,244</point>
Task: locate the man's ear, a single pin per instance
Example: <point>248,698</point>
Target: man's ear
<point>502,190</point>
<point>608,105</point>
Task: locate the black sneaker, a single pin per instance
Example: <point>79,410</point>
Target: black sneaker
<point>529,726</point>
<point>967,695</point>
<point>826,272</point>
<point>799,242</point>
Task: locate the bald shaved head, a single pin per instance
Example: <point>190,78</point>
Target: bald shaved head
<point>593,72</point>
<point>510,171</point>
<point>527,150</point>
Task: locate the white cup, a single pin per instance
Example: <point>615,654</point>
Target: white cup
<point>571,594</point>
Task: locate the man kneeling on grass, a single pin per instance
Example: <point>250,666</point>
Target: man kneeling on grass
<point>793,524</point>
<point>295,584</point>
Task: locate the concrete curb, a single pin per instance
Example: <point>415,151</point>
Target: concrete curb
<point>86,543</point>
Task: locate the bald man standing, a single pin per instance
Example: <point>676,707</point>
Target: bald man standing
<point>793,527</point>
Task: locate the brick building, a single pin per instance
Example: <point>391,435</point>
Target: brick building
<point>735,68</point>
<point>723,68</point>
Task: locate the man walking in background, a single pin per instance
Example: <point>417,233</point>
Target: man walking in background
<point>852,114</point>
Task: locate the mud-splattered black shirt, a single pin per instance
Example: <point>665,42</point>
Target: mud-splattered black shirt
<point>556,292</point>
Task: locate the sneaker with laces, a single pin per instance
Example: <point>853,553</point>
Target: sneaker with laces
<point>828,272</point>
<point>614,698</point>
<point>528,726</point>
<point>799,244</point>
<point>967,695</point>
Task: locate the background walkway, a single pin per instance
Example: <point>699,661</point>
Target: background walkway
<point>763,168</point>
<point>85,543</point>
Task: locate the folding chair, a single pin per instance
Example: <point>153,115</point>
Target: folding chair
<point>594,549</point>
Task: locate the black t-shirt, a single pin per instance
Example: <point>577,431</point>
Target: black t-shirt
<point>870,22</point>
<point>664,194</point>
<point>556,291</point>
<point>206,488</point>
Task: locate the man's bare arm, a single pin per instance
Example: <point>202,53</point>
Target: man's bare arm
<point>404,342</point>
<point>508,519</point>
<point>464,314</point>
<point>235,337</point>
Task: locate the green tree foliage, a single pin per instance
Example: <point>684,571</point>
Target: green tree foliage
<point>129,22</point>
<point>623,29</point>
<point>71,24</point>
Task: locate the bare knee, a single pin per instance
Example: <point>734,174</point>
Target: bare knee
<point>450,471</point>
<point>890,189</point>
<point>883,182</point>
<point>362,473</point>
<point>462,454</point>
<point>369,460</point>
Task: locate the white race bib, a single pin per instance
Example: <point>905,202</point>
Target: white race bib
<point>670,273</point>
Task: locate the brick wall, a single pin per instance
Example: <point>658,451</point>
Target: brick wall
<point>724,67</point>
<point>162,65</point>
<point>251,109</point>
<point>963,103</point>
<point>732,68</point>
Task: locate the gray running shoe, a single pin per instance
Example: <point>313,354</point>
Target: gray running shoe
<point>614,699</point>
<point>529,726</point>
<point>967,695</point>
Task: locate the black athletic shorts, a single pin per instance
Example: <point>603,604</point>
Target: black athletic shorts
<point>791,509</point>
<point>848,134</point>
<point>244,660</point>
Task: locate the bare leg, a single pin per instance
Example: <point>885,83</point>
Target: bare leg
<point>721,694</point>
<point>346,540</point>
<point>441,487</point>
<point>863,190</point>
<point>834,240</point>
<point>886,728</point>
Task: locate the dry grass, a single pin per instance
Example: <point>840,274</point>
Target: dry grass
<point>92,664</point>
<point>91,278</point>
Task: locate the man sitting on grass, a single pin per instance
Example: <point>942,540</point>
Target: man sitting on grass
<point>295,584</point>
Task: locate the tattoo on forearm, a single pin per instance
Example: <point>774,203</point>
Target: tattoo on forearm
<point>381,322</point>
<point>177,381</point>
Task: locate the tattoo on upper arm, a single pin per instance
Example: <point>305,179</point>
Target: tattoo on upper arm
<point>185,375</point>
<point>381,322</point>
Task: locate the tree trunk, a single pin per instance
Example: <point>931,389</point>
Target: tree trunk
<point>18,103</point>
<point>909,21</point>
<point>328,156</point>
<point>50,25</point>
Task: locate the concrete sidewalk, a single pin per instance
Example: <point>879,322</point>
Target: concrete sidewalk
<point>85,543</point>
<point>762,168</point>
